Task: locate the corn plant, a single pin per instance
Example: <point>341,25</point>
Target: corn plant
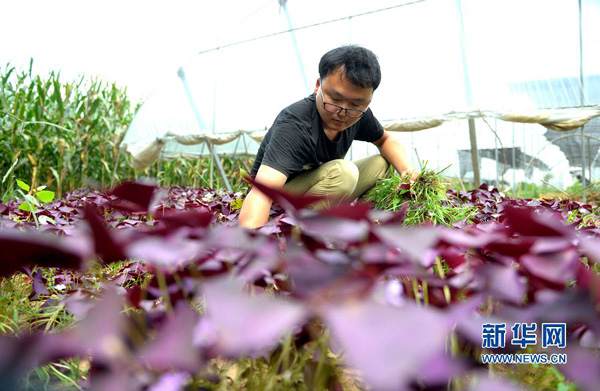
<point>67,135</point>
<point>62,134</point>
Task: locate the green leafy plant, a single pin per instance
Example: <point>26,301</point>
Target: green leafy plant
<point>32,200</point>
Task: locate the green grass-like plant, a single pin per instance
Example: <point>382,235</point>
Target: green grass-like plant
<point>425,195</point>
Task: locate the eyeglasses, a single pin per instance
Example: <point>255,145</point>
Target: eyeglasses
<point>333,108</point>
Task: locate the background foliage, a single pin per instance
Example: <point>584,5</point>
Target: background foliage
<point>67,135</point>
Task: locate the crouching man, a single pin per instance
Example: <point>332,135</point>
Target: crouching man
<point>303,152</point>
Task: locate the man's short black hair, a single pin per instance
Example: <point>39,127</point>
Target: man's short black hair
<point>360,65</point>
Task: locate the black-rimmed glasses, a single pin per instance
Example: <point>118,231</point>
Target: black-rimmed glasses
<point>333,108</point>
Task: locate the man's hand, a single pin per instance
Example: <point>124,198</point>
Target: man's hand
<point>412,174</point>
<point>394,153</point>
<point>256,206</point>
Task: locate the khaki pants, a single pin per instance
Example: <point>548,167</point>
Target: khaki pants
<point>340,180</point>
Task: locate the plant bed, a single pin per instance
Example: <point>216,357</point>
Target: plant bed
<point>149,287</point>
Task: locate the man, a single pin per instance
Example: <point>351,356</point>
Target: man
<point>304,149</point>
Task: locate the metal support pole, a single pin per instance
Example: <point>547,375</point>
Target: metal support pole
<point>589,156</point>
<point>581,97</point>
<point>514,160</point>
<point>474,153</point>
<point>468,96</point>
<point>295,44</point>
<point>202,126</point>
<point>496,160</point>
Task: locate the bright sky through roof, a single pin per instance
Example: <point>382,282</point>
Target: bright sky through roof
<point>139,44</point>
<point>134,43</point>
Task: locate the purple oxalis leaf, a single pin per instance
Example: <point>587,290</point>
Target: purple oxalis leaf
<point>115,379</point>
<point>172,349</point>
<point>389,346</point>
<point>267,258</point>
<point>357,211</point>
<point>22,249</point>
<point>531,222</point>
<point>453,257</point>
<point>20,354</point>
<point>413,241</point>
<point>470,327</point>
<point>100,332</point>
<point>462,239</point>
<point>502,282</point>
<point>222,237</point>
<point>573,306</point>
<point>334,229</point>
<point>379,253</point>
<point>134,196</point>
<point>487,383</point>
<point>107,246</point>
<point>289,202</point>
<point>591,248</point>
<point>439,369</point>
<point>166,252</point>
<point>550,245</point>
<point>311,278</point>
<point>38,285</point>
<point>194,218</point>
<point>510,247</point>
<point>557,268</point>
<point>583,368</point>
<point>78,304</point>
<point>174,381</point>
<point>588,280</point>
<point>386,217</point>
<point>248,324</point>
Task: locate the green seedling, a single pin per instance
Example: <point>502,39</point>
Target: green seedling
<point>33,199</point>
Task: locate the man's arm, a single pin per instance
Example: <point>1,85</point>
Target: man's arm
<point>393,152</point>
<point>256,206</point>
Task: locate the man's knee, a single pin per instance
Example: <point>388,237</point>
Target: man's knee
<point>380,166</point>
<point>343,174</point>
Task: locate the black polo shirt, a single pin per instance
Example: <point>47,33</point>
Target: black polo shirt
<point>296,141</point>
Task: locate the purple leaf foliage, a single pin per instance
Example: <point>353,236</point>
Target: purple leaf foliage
<point>518,261</point>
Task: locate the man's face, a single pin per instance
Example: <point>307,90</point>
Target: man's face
<point>336,89</point>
